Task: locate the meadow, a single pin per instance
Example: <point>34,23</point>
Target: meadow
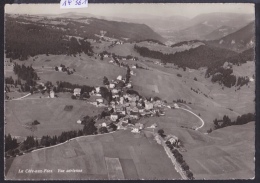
<point>119,155</point>
<point>49,112</point>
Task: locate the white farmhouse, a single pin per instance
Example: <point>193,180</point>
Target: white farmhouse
<point>113,117</point>
<point>112,85</point>
<point>97,89</point>
<point>114,91</point>
<point>77,91</point>
<point>52,94</point>
<point>119,77</point>
<point>135,130</point>
<point>148,106</point>
<point>134,67</point>
<point>132,73</point>
<point>79,121</point>
<point>100,100</point>
<point>60,69</point>
<point>129,85</point>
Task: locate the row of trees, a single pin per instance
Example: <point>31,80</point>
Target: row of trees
<point>11,81</point>
<point>106,94</point>
<point>30,142</point>
<point>26,73</point>
<point>226,121</point>
<point>128,75</point>
<point>10,143</point>
<point>151,40</point>
<point>178,156</point>
<point>63,86</point>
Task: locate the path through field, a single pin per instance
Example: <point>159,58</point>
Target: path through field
<point>202,121</point>
<point>21,97</point>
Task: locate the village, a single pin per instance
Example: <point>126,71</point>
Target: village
<point>126,106</point>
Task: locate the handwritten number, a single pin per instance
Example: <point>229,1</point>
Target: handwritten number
<point>78,2</point>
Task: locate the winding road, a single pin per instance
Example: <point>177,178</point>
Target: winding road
<point>202,121</point>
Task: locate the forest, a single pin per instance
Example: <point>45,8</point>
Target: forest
<point>201,56</point>
<point>226,121</point>
<point>28,40</point>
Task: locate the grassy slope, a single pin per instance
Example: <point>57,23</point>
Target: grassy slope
<point>85,66</point>
<point>138,156</point>
<point>49,112</point>
<point>224,154</point>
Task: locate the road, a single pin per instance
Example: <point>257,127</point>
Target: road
<point>20,97</point>
<point>202,121</point>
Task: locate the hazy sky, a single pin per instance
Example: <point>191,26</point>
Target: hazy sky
<point>126,10</point>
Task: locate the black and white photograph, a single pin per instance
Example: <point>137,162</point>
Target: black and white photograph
<point>147,91</point>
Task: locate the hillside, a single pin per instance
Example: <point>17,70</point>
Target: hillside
<point>24,40</point>
<point>238,41</point>
<point>220,32</point>
<point>219,19</point>
<point>202,25</point>
<point>122,30</point>
<point>197,31</point>
<point>120,155</point>
<point>52,35</point>
<point>201,56</point>
<point>224,154</point>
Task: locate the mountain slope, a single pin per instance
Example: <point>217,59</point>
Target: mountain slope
<point>201,56</point>
<point>219,19</point>
<point>220,32</point>
<point>64,35</point>
<point>203,24</point>
<point>121,30</point>
<point>238,41</point>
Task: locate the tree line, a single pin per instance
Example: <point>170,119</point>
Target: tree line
<point>63,86</point>
<point>201,56</point>
<point>226,121</point>
<point>25,73</point>
<point>225,76</point>
<point>178,156</point>
<point>12,146</point>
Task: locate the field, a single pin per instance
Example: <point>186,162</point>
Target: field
<point>123,50</point>
<point>120,155</point>
<point>173,118</point>
<point>224,154</point>
<point>49,112</point>
<point>89,71</point>
<point>163,82</point>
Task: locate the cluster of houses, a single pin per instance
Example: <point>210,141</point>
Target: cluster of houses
<point>126,107</point>
<point>63,68</point>
<point>109,55</point>
<point>158,63</point>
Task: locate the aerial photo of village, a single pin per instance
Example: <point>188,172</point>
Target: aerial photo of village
<point>129,92</point>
